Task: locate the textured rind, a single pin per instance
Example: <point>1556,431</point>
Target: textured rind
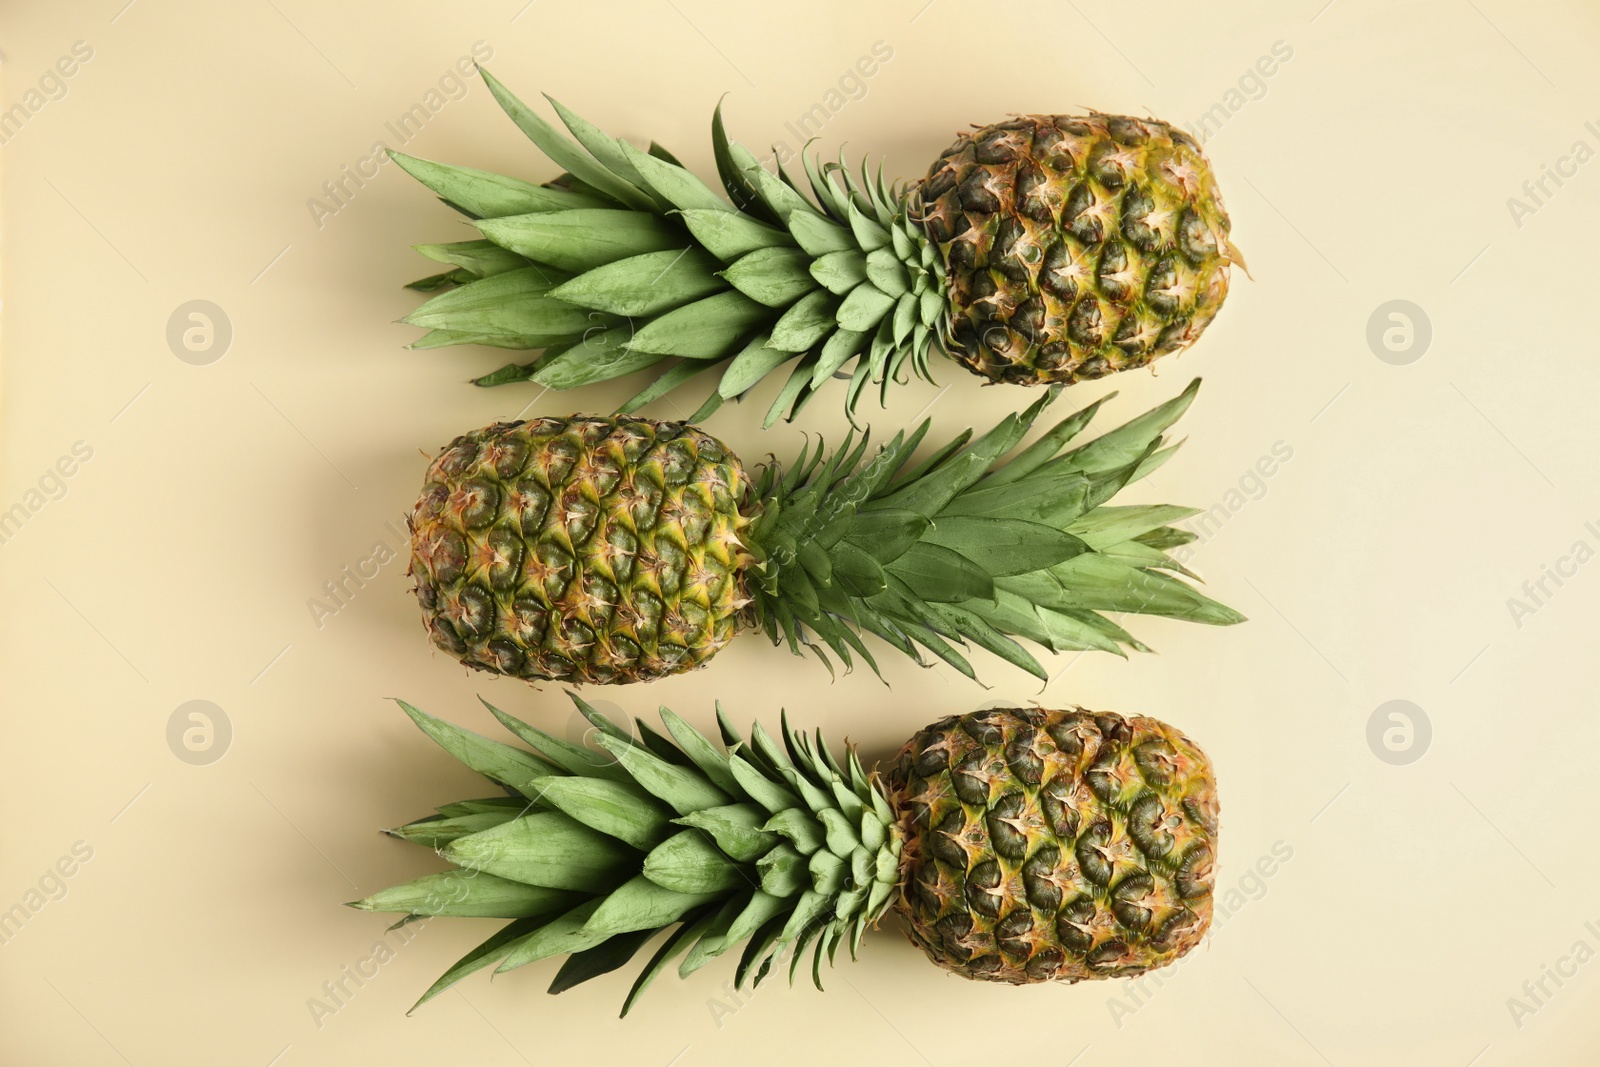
<point>585,549</point>
<point>1076,246</point>
<point>1047,845</point>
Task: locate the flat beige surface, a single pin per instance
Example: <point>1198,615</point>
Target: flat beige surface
<point>1413,910</point>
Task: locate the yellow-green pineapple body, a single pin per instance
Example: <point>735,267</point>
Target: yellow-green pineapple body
<point>584,549</point>
<point>1075,246</point>
<point>1047,845</point>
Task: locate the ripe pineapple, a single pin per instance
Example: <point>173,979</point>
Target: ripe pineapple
<point>582,549</point>
<point>1045,249</point>
<point>1076,246</point>
<point>1018,845</point>
<point>622,549</point>
<point>1054,844</point>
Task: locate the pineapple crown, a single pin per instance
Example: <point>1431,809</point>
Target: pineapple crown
<point>755,845</point>
<point>967,546</point>
<point>627,261</point>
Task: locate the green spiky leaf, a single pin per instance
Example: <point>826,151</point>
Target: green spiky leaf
<point>607,872</point>
<point>963,548</point>
<point>547,849</point>
<point>644,285</point>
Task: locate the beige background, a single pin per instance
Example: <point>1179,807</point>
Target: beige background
<point>1375,164</point>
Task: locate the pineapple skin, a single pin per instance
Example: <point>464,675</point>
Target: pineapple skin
<point>583,550</point>
<point>1075,246</point>
<point>1062,845</point>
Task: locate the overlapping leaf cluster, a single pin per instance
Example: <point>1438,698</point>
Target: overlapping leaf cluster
<point>628,261</point>
<point>751,845</point>
<point>967,547</point>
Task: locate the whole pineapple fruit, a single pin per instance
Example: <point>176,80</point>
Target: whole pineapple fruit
<point>1019,845</point>
<point>1044,249</point>
<point>1054,844</point>
<point>1075,246</point>
<point>582,549</point>
<point>623,549</point>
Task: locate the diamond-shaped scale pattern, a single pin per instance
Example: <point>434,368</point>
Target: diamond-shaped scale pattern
<point>1076,246</point>
<point>1055,844</point>
<point>581,550</point>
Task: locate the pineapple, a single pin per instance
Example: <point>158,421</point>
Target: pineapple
<point>1018,845</point>
<point>1046,249</point>
<point>581,549</point>
<point>1074,247</point>
<point>596,550</point>
<point>1054,844</point>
